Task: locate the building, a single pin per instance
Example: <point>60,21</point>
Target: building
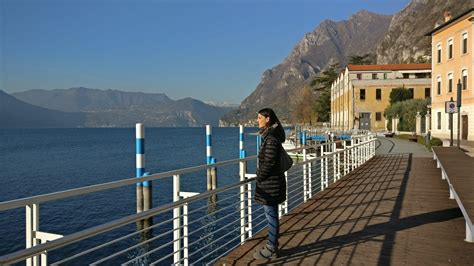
<point>452,62</point>
<point>361,93</point>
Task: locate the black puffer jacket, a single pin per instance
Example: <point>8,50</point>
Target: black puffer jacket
<point>271,183</point>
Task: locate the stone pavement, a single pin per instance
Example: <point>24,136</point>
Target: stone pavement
<point>385,145</point>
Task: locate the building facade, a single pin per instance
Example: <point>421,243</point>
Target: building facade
<point>361,93</point>
<point>452,63</point>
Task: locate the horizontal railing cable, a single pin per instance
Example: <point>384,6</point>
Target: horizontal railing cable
<point>72,238</point>
<point>306,178</point>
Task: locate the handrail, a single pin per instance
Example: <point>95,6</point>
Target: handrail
<point>93,231</point>
<point>99,229</point>
<point>17,203</point>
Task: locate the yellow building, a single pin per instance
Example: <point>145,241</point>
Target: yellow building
<point>452,62</point>
<point>361,93</point>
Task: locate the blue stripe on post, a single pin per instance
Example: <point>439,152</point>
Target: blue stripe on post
<point>213,160</point>
<point>209,159</point>
<point>146,183</point>
<point>139,173</point>
<point>208,140</point>
<point>243,154</point>
<point>241,138</point>
<point>140,146</point>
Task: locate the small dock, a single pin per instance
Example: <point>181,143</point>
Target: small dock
<point>393,210</point>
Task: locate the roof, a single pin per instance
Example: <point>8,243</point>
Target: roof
<point>449,22</point>
<point>389,67</point>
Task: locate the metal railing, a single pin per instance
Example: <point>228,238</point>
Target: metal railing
<point>195,227</point>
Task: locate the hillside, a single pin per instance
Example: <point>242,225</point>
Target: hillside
<point>113,108</point>
<point>329,43</point>
<point>17,114</point>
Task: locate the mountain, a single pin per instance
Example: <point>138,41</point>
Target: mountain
<point>85,99</point>
<point>17,114</point>
<point>405,41</point>
<point>330,42</point>
<point>113,108</point>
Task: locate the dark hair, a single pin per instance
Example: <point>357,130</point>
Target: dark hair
<point>268,112</point>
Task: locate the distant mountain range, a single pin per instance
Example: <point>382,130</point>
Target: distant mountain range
<point>17,114</point>
<point>84,107</point>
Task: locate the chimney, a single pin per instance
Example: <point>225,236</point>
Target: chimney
<point>447,16</point>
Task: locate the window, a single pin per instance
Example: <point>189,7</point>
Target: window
<point>374,75</point>
<point>438,86</point>
<point>439,120</point>
<point>362,94</point>
<point>438,59</point>
<point>384,75</point>
<point>411,93</point>
<point>427,93</point>
<point>406,75</point>
<point>450,82</point>
<point>378,116</point>
<point>359,76</point>
<point>450,48</point>
<point>378,94</point>
<point>464,79</point>
<point>464,43</point>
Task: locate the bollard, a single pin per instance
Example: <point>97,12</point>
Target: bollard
<point>241,141</point>
<point>213,174</point>
<point>147,204</point>
<point>209,155</point>
<point>140,166</point>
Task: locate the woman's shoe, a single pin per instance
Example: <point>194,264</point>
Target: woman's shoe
<point>265,253</point>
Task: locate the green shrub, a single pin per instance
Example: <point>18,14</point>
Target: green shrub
<point>406,110</point>
<point>435,142</point>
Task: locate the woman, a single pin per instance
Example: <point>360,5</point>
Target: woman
<point>271,184</point>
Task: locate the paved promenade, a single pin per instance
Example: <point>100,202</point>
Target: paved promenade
<point>393,210</point>
<point>396,146</point>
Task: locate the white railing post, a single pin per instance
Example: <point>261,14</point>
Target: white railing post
<point>185,195</point>
<point>352,155</point>
<point>176,221</point>
<point>344,156</point>
<point>305,168</point>
<point>32,227</point>
<point>321,166</point>
<point>185,236</point>
<point>249,209</point>
<point>242,202</point>
<point>334,162</point>
<point>326,166</point>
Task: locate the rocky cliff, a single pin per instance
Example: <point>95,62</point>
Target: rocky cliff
<point>329,43</point>
<point>405,41</point>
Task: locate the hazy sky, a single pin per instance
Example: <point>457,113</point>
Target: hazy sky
<point>211,50</point>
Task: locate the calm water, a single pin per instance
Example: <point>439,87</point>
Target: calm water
<point>39,161</point>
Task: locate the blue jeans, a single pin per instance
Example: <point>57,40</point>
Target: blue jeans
<point>271,212</point>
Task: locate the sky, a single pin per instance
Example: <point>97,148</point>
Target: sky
<point>211,50</point>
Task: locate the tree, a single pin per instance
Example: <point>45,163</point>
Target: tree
<point>326,78</point>
<point>303,108</point>
<point>406,111</point>
<point>400,94</point>
<point>366,59</point>
<point>322,106</point>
